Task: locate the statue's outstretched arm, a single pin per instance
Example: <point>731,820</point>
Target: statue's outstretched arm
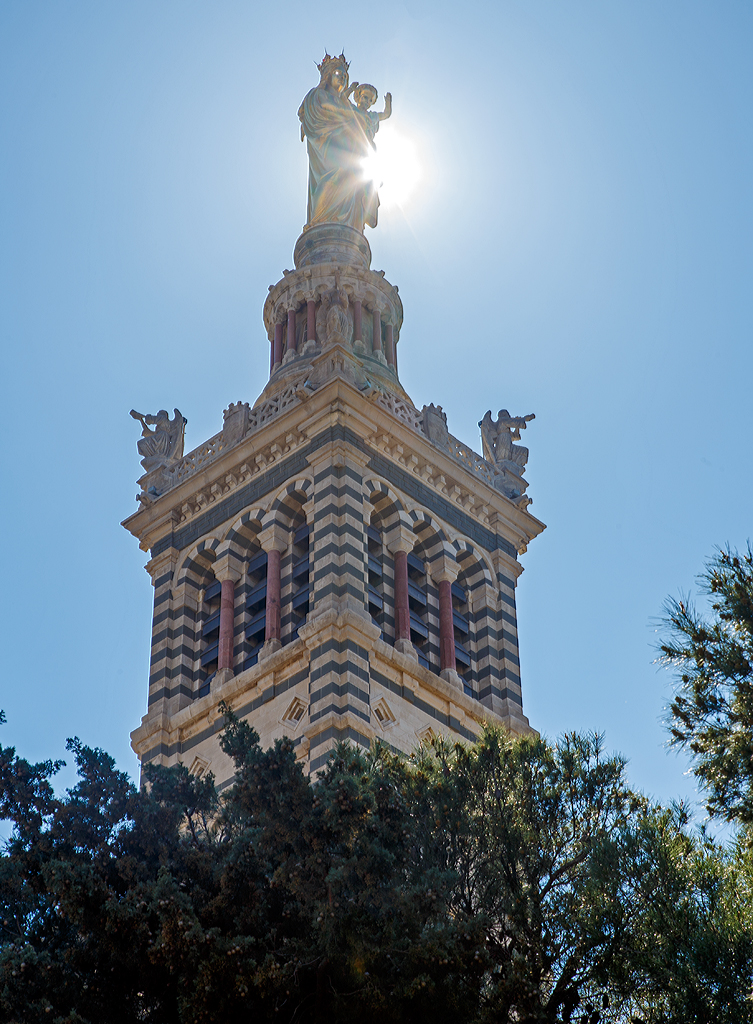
<point>515,422</point>
<point>387,112</point>
<point>521,421</point>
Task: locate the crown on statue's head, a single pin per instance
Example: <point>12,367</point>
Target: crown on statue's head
<point>332,60</point>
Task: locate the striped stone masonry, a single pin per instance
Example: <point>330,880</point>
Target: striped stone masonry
<point>316,510</point>
<point>338,522</point>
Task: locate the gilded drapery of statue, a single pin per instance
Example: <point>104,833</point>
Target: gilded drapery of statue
<point>340,135</point>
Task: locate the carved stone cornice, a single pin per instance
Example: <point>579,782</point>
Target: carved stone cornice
<point>386,428</point>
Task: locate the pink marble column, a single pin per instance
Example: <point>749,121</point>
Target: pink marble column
<point>402,609</point>
<point>311,320</point>
<point>277,350</point>
<point>390,345</point>
<point>227,625</point>
<point>357,312</point>
<point>272,623</point>
<point>377,322</point>
<point>446,627</point>
<point>290,347</point>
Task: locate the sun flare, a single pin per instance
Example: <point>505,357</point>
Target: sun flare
<point>393,167</point>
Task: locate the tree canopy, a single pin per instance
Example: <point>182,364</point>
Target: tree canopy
<point>504,881</point>
<point>711,714</point>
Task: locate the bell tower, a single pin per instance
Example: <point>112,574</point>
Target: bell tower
<point>333,563</point>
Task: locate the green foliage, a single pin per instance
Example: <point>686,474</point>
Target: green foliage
<point>506,881</point>
<point>711,714</point>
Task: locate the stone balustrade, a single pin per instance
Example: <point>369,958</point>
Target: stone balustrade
<point>197,459</point>
<point>270,408</point>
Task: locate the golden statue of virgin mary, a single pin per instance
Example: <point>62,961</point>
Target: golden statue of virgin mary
<point>339,192</point>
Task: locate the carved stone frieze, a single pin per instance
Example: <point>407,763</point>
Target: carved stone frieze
<point>314,282</point>
<point>259,462</point>
<point>427,471</point>
<point>240,421</point>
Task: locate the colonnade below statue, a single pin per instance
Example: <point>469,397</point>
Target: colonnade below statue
<point>284,339</point>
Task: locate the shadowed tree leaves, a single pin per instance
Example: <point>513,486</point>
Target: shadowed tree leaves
<point>506,881</point>
<point>711,714</point>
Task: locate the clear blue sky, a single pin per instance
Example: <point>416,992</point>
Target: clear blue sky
<point>580,247</point>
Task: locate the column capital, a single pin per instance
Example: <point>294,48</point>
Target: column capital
<point>400,538</point>
<point>227,567</point>
<point>162,563</point>
<point>505,564</point>
<point>274,537</point>
<point>444,567</point>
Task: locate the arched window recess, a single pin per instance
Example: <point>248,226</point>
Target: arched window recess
<point>300,577</point>
<point>375,574</point>
<point>418,605</point>
<point>256,599</point>
<point>462,629</point>
<point>210,636</point>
